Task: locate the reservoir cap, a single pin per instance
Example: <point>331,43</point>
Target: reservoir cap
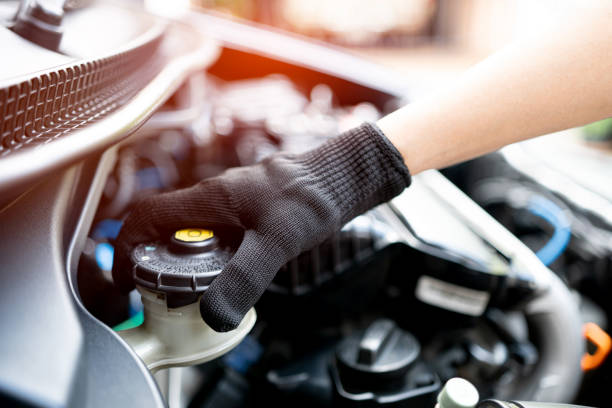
<point>193,241</point>
<point>193,235</point>
<point>182,268</point>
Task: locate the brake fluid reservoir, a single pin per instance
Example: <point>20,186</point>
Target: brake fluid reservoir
<point>171,278</point>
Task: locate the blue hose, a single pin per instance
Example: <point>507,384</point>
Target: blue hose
<point>104,256</point>
<point>107,229</point>
<point>555,216</point>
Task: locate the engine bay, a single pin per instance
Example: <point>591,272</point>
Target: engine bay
<point>430,293</point>
<point>496,270</point>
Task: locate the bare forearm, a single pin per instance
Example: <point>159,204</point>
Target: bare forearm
<point>557,78</point>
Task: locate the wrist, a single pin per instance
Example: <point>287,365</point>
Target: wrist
<point>394,128</point>
<point>359,168</point>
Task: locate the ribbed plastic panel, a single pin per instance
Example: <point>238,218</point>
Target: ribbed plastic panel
<point>41,109</point>
<point>357,241</point>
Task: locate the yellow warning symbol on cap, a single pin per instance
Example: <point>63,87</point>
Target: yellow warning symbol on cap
<point>193,235</point>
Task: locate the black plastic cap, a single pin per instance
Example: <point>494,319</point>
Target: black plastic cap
<point>181,272</point>
<point>380,355</point>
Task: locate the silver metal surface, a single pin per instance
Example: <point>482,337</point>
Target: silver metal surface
<point>29,164</point>
<point>42,339</point>
<point>110,373</point>
<point>55,353</point>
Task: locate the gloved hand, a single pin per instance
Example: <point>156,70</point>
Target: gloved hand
<point>285,204</point>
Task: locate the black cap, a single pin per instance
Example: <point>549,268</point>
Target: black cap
<point>182,269</point>
<point>377,356</point>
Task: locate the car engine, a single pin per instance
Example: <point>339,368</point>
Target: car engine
<point>490,270</point>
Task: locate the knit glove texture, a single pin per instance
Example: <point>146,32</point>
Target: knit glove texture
<point>286,204</point>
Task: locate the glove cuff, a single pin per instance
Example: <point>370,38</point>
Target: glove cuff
<point>360,169</point>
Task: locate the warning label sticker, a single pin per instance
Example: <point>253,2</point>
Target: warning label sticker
<point>451,297</point>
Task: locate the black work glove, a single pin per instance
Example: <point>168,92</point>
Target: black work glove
<point>285,204</point>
